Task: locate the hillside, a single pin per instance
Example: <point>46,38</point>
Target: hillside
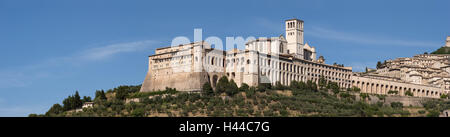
<point>442,50</point>
<point>300,99</point>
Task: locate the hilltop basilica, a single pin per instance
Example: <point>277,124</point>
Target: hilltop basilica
<point>284,59</point>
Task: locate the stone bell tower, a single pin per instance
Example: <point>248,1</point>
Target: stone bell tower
<point>294,37</point>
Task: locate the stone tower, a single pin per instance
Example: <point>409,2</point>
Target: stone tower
<point>294,37</point>
<point>447,43</point>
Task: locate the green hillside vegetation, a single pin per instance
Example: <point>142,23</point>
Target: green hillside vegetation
<point>299,99</point>
<point>442,50</point>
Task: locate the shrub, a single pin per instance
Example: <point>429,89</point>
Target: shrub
<point>207,89</point>
<point>284,113</point>
<point>54,110</point>
<point>294,85</point>
<point>232,88</point>
<point>279,86</point>
<point>381,97</point>
<point>421,111</point>
<point>147,94</point>
<point>346,95</point>
<point>311,86</point>
<point>334,87</point>
<point>364,95</point>
<point>322,82</point>
<point>123,91</point>
<point>433,113</point>
<point>395,92</point>
<point>355,89</point>
<point>397,104</point>
<point>444,96</point>
<point>138,112</point>
<point>409,93</point>
<point>250,92</point>
<point>244,87</point>
<point>263,87</point>
<point>222,85</point>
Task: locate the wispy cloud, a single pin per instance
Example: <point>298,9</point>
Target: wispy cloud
<point>365,39</point>
<point>111,50</point>
<point>22,76</point>
<point>347,36</point>
<point>270,25</point>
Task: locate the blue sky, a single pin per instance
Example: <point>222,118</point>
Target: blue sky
<point>51,48</point>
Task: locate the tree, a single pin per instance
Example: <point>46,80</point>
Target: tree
<point>207,89</point>
<point>77,99</point>
<point>356,89</point>
<point>72,102</point>
<point>393,92</point>
<point>314,87</point>
<point>311,86</point>
<point>123,91</point>
<point>279,86</point>
<point>322,82</point>
<point>334,87</point>
<point>364,96</point>
<point>379,65</point>
<point>33,115</point>
<point>433,113</point>
<point>263,87</point>
<point>294,85</point>
<point>68,103</point>
<point>301,85</point>
<point>232,88</point>
<point>409,93</point>
<point>86,99</point>
<point>444,96</point>
<point>244,87</point>
<point>100,95</point>
<point>222,85</point>
<point>54,110</point>
<point>138,112</point>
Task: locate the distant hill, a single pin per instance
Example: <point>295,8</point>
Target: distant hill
<point>442,50</point>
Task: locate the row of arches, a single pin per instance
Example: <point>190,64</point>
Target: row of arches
<point>285,72</point>
<point>383,88</point>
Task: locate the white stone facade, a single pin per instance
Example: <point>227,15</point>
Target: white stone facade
<point>264,60</point>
